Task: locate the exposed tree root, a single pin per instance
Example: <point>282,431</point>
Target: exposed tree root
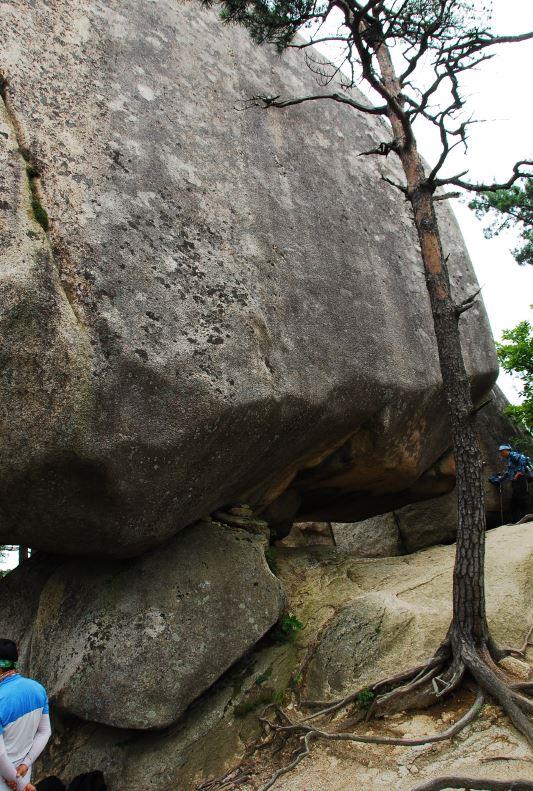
<point>523,648</point>
<point>420,687</point>
<point>490,758</point>
<point>471,783</point>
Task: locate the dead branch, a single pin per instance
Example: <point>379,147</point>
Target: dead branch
<point>285,769</point>
<point>485,784</point>
<point>527,641</point>
<point>490,758</point>
<point>274,101</point>
<point>457,181</point>
<point>383,150</point>
<point>466,304</point>
<point>447,196</point>
<point>402,189</point>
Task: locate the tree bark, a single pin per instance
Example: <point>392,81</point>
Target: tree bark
<point>24,554</point>
<point>469,623</point>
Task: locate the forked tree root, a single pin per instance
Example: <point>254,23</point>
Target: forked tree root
<point>472,784</point>
<point>419,687</point>
<point>309,732</point>
<point>523,648</point>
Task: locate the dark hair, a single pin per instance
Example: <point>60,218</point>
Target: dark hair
<point>8,650</point>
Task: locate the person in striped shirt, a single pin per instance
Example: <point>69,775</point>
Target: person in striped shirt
<point>24,722</point>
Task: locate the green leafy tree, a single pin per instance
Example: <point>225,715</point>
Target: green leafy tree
<point>509,208</point>
<point>516,356</point>
<point>433,43</point>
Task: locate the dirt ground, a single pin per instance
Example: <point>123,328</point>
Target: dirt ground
<point>489,748</point>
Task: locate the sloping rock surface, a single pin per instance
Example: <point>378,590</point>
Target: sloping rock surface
<point>133,643</point>
<point>401,609</point>
<point>216,300</point>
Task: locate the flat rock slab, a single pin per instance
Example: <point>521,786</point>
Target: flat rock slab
<point>376,537</point>
<point>133,643</point>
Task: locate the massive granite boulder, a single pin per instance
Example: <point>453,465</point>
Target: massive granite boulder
<point>133,643</point>
<point>201,305</point>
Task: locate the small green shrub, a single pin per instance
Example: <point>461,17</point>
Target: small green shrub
<point>365,698</point>
<point>286,629</point>
<point>295,681</point>
<point>263,676</point>
<point>38,210</point>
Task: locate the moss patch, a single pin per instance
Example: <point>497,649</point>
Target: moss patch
<point>39,212</point>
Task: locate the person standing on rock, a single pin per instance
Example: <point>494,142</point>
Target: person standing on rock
<point>518,468</point>
<point>24,722</point>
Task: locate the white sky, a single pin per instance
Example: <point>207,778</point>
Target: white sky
<point>501,92</point>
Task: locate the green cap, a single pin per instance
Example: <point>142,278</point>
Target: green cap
<point>7,664</point>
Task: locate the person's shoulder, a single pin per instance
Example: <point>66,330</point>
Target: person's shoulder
<point>35,686</point>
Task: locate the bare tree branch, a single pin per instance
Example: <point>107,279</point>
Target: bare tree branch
<point>274,101</point>
<point>457,181</point>
<point>312,42</point>
<point>395,184</point>
<point>447,196</point>
<point>486,784</point>
<point>468,44</point>
<point>466,304</point>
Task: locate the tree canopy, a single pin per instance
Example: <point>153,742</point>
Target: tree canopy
<point>509,208</point>
<point>515,353</point>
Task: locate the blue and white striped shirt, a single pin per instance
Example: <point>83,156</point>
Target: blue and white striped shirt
<point>24,724</point>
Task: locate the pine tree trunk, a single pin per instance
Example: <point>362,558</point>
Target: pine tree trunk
<point>469,620</point>
<point>469,623</point>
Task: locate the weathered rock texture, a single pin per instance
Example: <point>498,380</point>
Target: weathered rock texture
<point>433,521</point>
<point>363,618</point>
<point>133,643</point>
<point>427,523</point>
<point>186,334</point>
<point>371,538</point>
<point>21,591</point>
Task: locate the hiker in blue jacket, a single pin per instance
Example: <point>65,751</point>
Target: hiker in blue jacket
<point>518,470</point>
<point>24,722</point>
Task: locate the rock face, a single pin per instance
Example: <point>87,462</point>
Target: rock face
<point>371,538</point>
<point>179,333</point>
<point>428,523</point>
<point>21,591</point>
<point>133,643</point>
<point>363,618</point>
